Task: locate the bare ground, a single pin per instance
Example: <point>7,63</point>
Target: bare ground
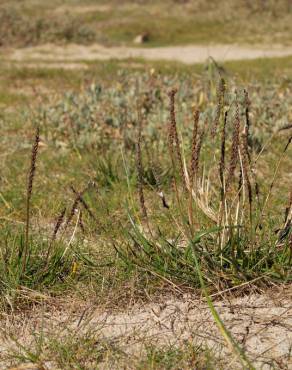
<point>261,323</point>
<point>83,8</point>
<point>186,54</point>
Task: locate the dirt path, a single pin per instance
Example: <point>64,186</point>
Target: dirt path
<point>262,324</point>
<point>185,54</point>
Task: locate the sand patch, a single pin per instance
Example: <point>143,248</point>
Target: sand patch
<point>261,324</point>
<point>51,65</point>
<point>75,9</point>
<point>185,54</point>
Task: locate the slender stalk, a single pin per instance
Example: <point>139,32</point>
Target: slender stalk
<point>31,176</point>
<point>222,179</point>
<point>83,202</point>
<point>224,331</point>
<point>246,168</point>
<point>58,224</point>
<point>220,105</point>
<point>139,164</point>
<point>222,157</point>
<point>173,136</point>
<point>192,167</point>
<point>288,209</point>
<point>234,149</point>
<point>194,147</point>
<point>57,227</point>
<point>78,199</point>
<point>80,223</point>
<point>197,154</point>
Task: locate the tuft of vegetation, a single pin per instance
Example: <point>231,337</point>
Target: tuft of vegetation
<point>230,226</point>
<point>21,30</point>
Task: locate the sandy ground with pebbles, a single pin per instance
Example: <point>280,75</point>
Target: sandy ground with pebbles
<point>261,324</point>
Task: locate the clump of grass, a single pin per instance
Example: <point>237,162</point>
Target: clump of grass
<point>50,274</point>
<point>177,357</point>
<point>223,247</point>
<point>30,260</point>
<point>225,238</point>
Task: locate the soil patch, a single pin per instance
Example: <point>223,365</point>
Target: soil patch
<point>261,324</point>
<point>185,54</point>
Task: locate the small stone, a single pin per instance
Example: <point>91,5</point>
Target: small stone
<point>141,39</point>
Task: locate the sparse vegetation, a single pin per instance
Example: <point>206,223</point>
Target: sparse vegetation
<point>89,350</point>
<point>22,30</point>
<point>116,22</point>
<point>235,232</point>
<point>125,182</point>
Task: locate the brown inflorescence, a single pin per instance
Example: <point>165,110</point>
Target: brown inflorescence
<point>234,149</point>
<point>140,170</point>
<point>194,145</point>
<point>220,106</point>
<point>58,223</point>
<point>31,176</point>
<point>173,136</point>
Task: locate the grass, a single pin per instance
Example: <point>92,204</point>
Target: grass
<point>80,351</point>
<point>207,233</point>
<point>167,22</point>
<point>176,358</point>
<point>76,128</point>
<point>21,85</point>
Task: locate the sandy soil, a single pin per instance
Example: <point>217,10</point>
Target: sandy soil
<point>51,65</point>
<point>185,54</point>
<point>82,9</point>
<point>262,325</point>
